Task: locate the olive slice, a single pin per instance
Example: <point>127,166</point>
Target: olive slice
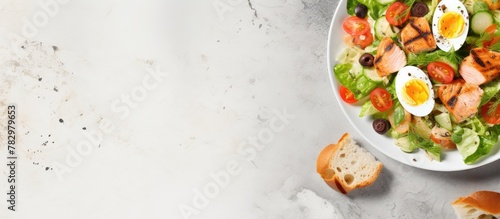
<point>360,10</point>
<point>366,60</point>
<point>419,9</point>
<point>381,125</point>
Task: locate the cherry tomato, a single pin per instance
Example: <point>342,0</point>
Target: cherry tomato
<point>441,72</point>
<point>491,116</point>
<point>347,95</point>
<point>381,99</point>
<point>355,26</point>
<point>363,40</point>
<point>397,14</point>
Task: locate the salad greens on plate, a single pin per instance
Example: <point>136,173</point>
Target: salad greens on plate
<point>454,44</point>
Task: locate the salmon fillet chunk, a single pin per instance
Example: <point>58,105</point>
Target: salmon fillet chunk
<point>389,58</point>
<point>481,66</point>
<point>417,36</point>
<point>460,98</point>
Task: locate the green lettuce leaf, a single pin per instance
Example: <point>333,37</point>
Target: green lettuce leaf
<point>489,91</point>
<point>487,142</point>
<point>475,142</point>
<point>468,145</point>
<point>351,4</point>
<point>479,6</point>
<point>456,134</point>
<point>359,85</point>
<point>423,59</point>
<point>484,148</point>
<point>399,115</point>
<point>375,9</point>
<point>367,109</point>
<point>432,4</point>
<point>432,149</point>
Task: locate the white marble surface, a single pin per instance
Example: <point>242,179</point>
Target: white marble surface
<point>180,109</point>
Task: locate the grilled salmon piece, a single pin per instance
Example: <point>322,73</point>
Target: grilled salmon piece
<point>481,66</point>
<point>389,58</point>
<point>417,36</point>
<point>460,98</point>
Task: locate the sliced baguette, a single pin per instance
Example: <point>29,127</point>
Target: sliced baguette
<point>346,166</point>
<point>478,205</point>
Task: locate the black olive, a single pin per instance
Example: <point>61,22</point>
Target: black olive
<point>419,9</point>
<point>366,60</point>
<point>381,126</point>
<point>360,10</point>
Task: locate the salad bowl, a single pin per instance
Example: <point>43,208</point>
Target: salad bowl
<point>451,160</point>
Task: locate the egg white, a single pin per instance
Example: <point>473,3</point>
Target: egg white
<point>450,6</point>
<point>404,75</point>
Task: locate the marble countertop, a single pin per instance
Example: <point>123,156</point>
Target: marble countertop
<point>186,109</point>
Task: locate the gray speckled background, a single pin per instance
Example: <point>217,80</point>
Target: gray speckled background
<point>189,109</point>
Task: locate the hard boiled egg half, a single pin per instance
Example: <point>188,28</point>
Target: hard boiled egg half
<point>414,91</point>
<point>450,25</point>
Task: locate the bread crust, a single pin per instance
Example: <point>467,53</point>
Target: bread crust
<point>323,165</point>
<point>329,176</point>
<point>487,201</point>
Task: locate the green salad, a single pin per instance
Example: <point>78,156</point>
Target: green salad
<point>454,48</point>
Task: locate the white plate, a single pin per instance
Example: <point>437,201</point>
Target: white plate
<point>452,160</point>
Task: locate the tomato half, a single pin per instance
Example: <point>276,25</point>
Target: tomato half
<point>363,40</point>
<point>355,26</point>
<point>441,72</point>
<point>397,14</point>
<point>381,99</point>
<point>346,95</point>
<point>491,116</point>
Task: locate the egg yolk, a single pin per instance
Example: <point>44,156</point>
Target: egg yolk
<point>451,25</point>
<point>415,92</point>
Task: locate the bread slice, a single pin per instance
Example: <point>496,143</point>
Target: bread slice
<point>346,166</point>
<point>480,204</point>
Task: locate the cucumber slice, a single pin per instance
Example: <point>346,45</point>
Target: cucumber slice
<point>356,68</point>
<point>480,21</point>
<point>385,2</point>
<point>371,74</point>
<point>404,144</point>
<point>469,5</point>
<point>440,108</point>
<point>444,121</point>
<point>496,15</point>
<point>432,4</point>
<point>367,109</point>
<point>421,127</point>
<point>384,29</point>
<point>349,54</point>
